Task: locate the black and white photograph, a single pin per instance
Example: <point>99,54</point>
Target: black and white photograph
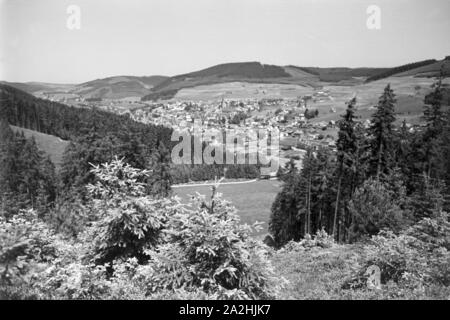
<point>222,150</point>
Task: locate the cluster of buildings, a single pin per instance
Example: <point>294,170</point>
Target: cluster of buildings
<point>288,116</point>
<point>241,115</point>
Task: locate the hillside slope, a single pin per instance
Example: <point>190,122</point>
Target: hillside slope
<point>118,87</point>
<point>51,145</point>
<point>341,74</point>
<point>36,87</point>
<point>425,68</point>
<point>430,70</point>
<point>228,72</point>
<point>163,87</point>
<point>255,72</point>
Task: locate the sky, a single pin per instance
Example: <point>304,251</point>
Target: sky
<point>169,37</point>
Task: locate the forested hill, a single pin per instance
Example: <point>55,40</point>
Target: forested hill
<point>238,71</point>
<point>95,137</point>
<point>430,68</point>
<point>24,110</point>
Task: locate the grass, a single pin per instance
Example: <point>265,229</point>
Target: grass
<point>243,90</point>
<point>51,145</point>
<point>252,200</point>
<point>317,273</point>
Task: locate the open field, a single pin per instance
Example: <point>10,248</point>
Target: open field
<point>243,90</point>
<point>51,145</point>
<point>253,200</point>
<point>410,92</point>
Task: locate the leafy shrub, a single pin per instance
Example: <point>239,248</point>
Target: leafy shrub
<point>128,221</point>
<point>412,263</point>
<point>27,245</point>
<point>321,239</point>
<point>136,248</point>
<point>375,207</point>
<point>69,217</point>
<point>209,249</point>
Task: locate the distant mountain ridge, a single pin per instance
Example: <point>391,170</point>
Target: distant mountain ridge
<point>164,87</point>
<point>118,87</point>
<point>259,73</point>
<point>305,76</point>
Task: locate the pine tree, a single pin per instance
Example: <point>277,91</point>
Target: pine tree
<point>46,193</point>
<point>347,144</point>
<point>303,204</point>
<point>160,181</point>
<point>446,162</point>
<point>8,172</point>
<point>287,220</point>
<point>30,159</point>
<point>322,189</point>
<point>381,135</point>
<point>308,170</point>
<point>435,124</point>
<point>289,170</point>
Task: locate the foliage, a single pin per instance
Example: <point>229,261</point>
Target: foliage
<point>27,177</point>
<point>69,217</point>
<point>128,221</point>
<point>136,247</point>
<point>210,249</point>
<point>381,135</point>
<point>350,170</point>
<point>26,246</point>
<point>303,205</point>
<point>414,264</point>
<point>415,261</point>
<point>374,207</point>
<point>321,239</point>
<point>159,183</point>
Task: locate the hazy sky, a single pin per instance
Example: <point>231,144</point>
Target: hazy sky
<point>168,37</point>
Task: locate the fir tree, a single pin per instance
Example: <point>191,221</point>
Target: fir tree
<point>381,135</point>
<point>160,180</point>
<point>347,144</point>
<point>435,122</point>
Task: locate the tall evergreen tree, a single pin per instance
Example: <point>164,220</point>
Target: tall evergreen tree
<point>446,162</point>
<point>381,135</point>
<point>26,177</point>
<point>432,138</point>
<point>303,205</point>
<point>347,144</point>
<point>160,180</point>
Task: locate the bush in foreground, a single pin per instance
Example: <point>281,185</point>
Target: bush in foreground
<point>137,247</point>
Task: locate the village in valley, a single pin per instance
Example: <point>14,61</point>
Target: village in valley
<point>303,121</point>
<point>297,123</point>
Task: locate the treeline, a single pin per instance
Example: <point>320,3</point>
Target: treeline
<point>196,167</point>
<point>382,177</point>
<point>201,172</point>
<point>399,69</point>
<point>24,110</point>
<point>160,95</point>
